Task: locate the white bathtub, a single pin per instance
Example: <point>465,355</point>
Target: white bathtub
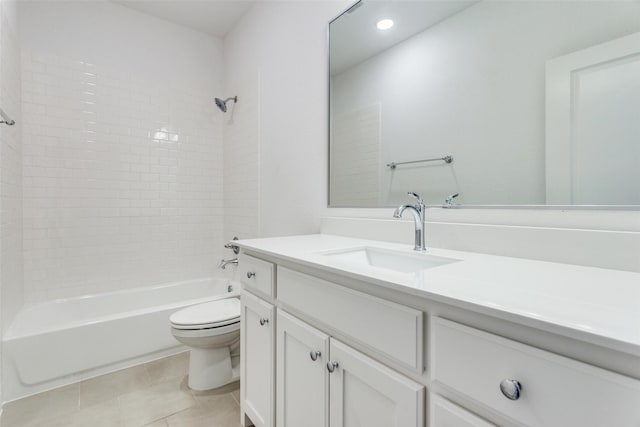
<point>59,342</point>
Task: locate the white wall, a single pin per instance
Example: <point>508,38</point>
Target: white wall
<point>11,264</point>
<point>128,41</point>
<point>285,43</point>
<point>123,156</point>
<point>473,87</point>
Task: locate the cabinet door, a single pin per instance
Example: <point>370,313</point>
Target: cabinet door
<point>302,384</point>
<point>364,393</point>
<point>256,360</point>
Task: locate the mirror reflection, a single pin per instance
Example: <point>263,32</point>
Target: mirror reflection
<point>501,102</point>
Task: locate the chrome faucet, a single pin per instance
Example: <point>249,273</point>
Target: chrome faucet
<point>417,211</point>
<point>225,262</point>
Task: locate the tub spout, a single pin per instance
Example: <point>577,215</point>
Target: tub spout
<point>223,263</point>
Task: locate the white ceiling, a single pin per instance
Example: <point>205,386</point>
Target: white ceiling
<point>214,17</point>
<point>355,38</point>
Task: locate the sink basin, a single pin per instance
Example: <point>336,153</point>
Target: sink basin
<point>402,262</point>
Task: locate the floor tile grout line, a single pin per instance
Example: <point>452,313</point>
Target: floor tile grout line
<point>78,399</point>
<point>233,396</point>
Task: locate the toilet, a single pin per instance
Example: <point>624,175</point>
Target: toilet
<point>212,331</point>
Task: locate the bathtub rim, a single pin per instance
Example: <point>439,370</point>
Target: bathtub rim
<point>11,335</point>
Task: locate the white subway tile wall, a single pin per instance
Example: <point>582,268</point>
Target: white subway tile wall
<point>241,160</point>
<point>122,179</point>
<point>11,276</point>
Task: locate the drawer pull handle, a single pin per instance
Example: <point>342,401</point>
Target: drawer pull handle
<point>250,274</point>
<point>263,321</point>
<point>314,355</point>
<point>331,366</point>
<point>511,389</point>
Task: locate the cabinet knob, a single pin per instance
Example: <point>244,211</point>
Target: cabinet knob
<point>250,274</point>
<point>263,321</point>
<point>314,355</point>
<point>511,389</point>
<point>331,366</point>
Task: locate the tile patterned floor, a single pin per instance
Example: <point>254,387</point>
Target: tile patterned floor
<point>153,394</point>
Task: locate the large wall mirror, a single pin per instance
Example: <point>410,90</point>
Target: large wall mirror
<point>502,102</point>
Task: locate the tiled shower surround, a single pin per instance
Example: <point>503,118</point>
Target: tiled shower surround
<point>11,294</point>
<point>122,179</point>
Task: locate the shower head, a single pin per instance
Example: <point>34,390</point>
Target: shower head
<point>222,105</point>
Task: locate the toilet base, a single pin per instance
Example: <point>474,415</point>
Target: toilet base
<point>211,368</point>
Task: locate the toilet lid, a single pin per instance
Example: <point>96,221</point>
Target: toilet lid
<point>207,315</point>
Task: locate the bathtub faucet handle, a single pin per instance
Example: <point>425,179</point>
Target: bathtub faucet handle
<point>234,248</point>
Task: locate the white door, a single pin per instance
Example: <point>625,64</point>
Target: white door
<point>364,393</point>
<point>256,360</point>
<point>302,384</point>
<point>593,125</point>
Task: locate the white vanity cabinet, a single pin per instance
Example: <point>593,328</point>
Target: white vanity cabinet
<point>340,349</point>
<point>257,333</point>
<point>322,382</point>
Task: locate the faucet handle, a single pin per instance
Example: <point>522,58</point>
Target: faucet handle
<point>417,196</point>
<point>449,200</point>
<point>234,248</point>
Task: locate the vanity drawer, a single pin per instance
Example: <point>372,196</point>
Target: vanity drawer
<point>443,413</point>
<point>389,328</point>
<point>257,275</point>
<point>555,391</point>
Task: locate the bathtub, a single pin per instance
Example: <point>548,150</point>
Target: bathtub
<point>65,340</point>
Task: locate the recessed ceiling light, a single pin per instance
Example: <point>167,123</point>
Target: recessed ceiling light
<point>384,24</point>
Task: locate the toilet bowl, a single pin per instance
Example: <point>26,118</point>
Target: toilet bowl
<point>212,331</point>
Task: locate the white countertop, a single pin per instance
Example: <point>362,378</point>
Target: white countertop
<point>591,304</point>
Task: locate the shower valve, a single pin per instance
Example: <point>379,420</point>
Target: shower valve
<point>234,248</point>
